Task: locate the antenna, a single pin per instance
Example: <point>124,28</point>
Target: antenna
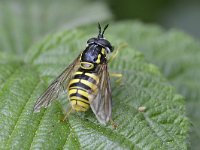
<point>105,29</point>
<point>101,34</point>
<point>99,26</point>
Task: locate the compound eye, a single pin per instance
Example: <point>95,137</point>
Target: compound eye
<point>106,44</point>
<point>91,41</point>
<point>110,47</point>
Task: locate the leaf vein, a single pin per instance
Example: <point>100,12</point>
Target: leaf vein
<point>23,108</point>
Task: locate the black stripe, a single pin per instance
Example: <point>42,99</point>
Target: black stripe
<point>80,101</point>
<point>81,76</point>
<point>76,88</point>
<point>79,95</point>
<point>81,85</point>
<point>85,77</point>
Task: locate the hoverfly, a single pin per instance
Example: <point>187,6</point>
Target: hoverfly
<point>86,80</point>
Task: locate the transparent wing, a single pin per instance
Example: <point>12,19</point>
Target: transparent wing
<point>55,87</point>
<point>102,103</point>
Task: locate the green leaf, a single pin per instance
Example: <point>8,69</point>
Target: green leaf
<point>162,125</point>
<point>178,57</point>
<point>24,22</point>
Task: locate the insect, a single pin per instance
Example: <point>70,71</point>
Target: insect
<point>86,80</point>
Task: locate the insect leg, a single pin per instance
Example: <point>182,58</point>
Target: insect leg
<point>123,45</point>
<point>117,75</point>
<point>114,125</point>
<point>67,114</point>
<point>113,56</point>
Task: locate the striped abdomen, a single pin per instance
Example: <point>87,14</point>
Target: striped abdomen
<point>81,88</point>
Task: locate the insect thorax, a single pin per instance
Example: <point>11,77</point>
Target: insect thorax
<point>93,54</point>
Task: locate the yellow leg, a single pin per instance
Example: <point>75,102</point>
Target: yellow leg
<point>67,114</point>
<point>113,56</point>
<point>114,125</point>
<point>116,51</point>
<point>117,75</point>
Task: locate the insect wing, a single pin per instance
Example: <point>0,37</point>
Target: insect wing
<point>55,87</point>
<point>102,103</point>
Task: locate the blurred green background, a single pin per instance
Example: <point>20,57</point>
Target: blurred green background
<point>181,14</point>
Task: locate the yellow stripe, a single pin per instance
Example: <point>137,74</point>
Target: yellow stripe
<point>79,106</point>
<point>82,104</point>
<point>80,57</point>
<point>78,72</point>
<point>98,59</point>
<point>72,91</point>
<point>74,81</point>
<point>103,51</point>
<point>73,102</point>
<point>77,87</point>
<point>78,98</point>
<point>81,92</point>
<point>87,65</point>
<point>93,76</point>
<point>91,85</point>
